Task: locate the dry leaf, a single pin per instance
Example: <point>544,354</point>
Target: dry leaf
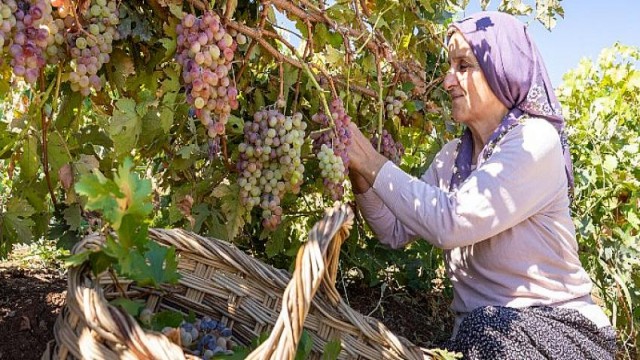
<point>66,176</point>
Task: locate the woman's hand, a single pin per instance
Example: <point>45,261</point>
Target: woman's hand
<point>363,158</point>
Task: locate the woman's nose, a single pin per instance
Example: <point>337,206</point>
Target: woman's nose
<point>450,81</point>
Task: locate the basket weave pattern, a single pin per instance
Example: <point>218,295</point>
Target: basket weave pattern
<point>220,281</point>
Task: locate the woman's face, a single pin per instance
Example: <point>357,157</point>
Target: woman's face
<point>471,97</point>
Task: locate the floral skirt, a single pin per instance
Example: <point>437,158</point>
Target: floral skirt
<point>495,332</point>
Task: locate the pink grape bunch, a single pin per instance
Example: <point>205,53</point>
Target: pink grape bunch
<point>337,139</point>
<point>395,104</point>
<point>270,163</point>
<point>92,46</point>
<point>27,28</point>
<point>206,51</point>
<point>389,148</point>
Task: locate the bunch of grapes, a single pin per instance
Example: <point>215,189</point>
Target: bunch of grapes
<point>394,104</point>
<point>30,21</point>
<point>336,139</point>
<point>7,22</point>
<point>388,147</point>
<point>205,51</point>
<point>204,337</point>
<point>269,163</point>
<point>90,47</point>
<point>62,20</point>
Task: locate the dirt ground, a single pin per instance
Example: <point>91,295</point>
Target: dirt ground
<point>31,299</point>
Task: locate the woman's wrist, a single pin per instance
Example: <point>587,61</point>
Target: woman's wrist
<point>370,168</point>
<point>358,183</point>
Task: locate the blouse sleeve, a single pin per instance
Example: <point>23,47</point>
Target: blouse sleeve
<point>388,228</point>
<point>525,172</point>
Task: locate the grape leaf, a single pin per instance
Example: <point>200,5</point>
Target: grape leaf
<point>102,194</point>
<point>123,67</point>
<point>276,239</point>
<point>304,346</point>
<point>231,208</point>
<point>332,350</point>
<point>166,318</point>
<point>71,100</point>
<point>125,126</point>
<point>136,191</point>
<point>15,224</point>
<point>132,233</point>
<point>133,25</point>
<point>73,216</point>
<point>162,265</point>
<point>132,307</point>
<point>30,161</point>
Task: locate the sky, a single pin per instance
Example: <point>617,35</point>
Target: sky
<point>588,27</point>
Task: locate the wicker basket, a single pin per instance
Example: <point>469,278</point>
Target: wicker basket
<point>224,283</point>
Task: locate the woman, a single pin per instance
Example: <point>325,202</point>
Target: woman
<point>497,201</point>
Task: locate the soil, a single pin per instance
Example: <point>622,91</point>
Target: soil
<point>31,299</point>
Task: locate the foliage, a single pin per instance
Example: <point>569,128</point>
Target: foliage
<point>125,204</point>
<point>602,101</point>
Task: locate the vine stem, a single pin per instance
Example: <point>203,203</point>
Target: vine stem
<point>380,103</point>
<point>45,149</point>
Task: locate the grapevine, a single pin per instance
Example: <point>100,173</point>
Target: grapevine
<point>336,139</point>
<point>205,51</point>
<point>269,163</point>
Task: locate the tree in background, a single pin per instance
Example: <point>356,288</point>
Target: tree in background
<point>602,101</point>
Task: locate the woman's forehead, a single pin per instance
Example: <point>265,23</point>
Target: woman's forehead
<point>458,46</point>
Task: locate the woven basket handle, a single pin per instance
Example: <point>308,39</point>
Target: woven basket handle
<point>316,265</point>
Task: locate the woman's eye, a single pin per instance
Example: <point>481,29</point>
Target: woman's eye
<point>463,66</point>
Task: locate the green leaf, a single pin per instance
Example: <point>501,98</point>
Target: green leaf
<point>159,265</point>
<point>125,126</point>
<point>58,152</point>
<point>276,240</point>
<point>170,46</point>
<point>16,223</point>
<point>229,195</point>
<point>30,160</point>
<point>332,350</point>
<point>122,66</point>
<point>136,191</point>
<point>100,262</point>
<point>166,318</point>
<point>71,102</point>
<point>134,25</point>
<point>304,346</point>
<point>77,259</point>
<point>132,233</point>
<point>131,307</point>
<point>102,195</point>
<point>73,216</point>
<point>166,119</point>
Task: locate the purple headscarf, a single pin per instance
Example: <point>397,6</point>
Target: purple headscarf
<point>516,74</point>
